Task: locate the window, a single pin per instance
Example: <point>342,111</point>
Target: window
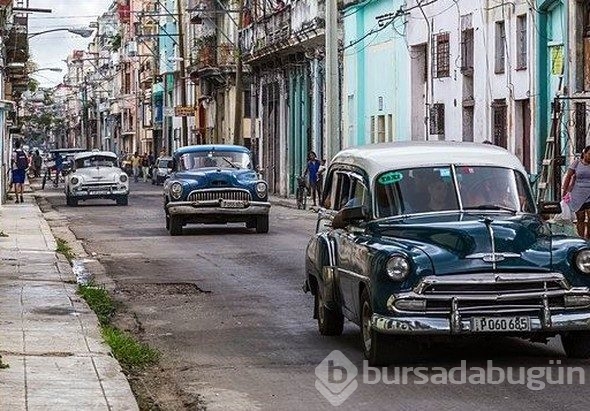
<point>521,42</point>
<point>499,124</point>
<point>380,129</point>
<point>500,47</point>
<point>437,119</point>
<point>467,51</point>
<point>346,190</point>
<point>247,103</point>
<point>441,56</point>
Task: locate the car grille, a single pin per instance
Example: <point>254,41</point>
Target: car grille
<point>490,293</point>
<point>216,195</point>
<point>96,186</point>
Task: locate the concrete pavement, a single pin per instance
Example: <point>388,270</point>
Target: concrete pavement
<point>49,337</point>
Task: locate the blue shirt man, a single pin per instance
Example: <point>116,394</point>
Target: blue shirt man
<point>313,165</point>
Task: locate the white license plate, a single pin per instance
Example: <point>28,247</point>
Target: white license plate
<point>232,204</point>
<point>500,324</point>
<point>98,193</point>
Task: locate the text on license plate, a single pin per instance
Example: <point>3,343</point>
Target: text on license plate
<point>96,193</point>
<point>489,324</point>
<point>232,204</point>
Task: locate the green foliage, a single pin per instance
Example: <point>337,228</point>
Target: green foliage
<point>99,301</point>
<point>64,248</point>
<point>129,352</point>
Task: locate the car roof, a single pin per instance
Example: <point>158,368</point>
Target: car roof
<point>379,158</point>
<point>67,150</point>
<point>211,147</point>
<point>88,154</point>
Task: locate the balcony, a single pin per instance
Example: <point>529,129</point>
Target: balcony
<point>204,57</point>
<point>200,9</point>
<point>294,27</point>
<point>226,57</point>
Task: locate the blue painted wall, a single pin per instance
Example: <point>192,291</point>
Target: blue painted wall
<point>374,67</point>
<point>552,33</point>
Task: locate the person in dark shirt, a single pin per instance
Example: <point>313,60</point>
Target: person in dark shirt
<point>313,166</point>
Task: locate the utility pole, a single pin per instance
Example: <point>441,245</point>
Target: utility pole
<point>332,130</point>
<point>179,11</point>
<point>239,115</point>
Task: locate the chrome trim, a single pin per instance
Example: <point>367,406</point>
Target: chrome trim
<point>570,321</point>
<point>215,194</point>
<point>353,274</point>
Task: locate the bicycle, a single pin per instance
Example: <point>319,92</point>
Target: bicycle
<point>301,193</point>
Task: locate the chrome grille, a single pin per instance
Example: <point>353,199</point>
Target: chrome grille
<point>216,195</point>
<point>490,293</point>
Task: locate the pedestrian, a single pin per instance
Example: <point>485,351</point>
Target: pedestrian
<point>577,184</point>
<point>311,171</point>
<point>37,163</point>
<point>59,164</point>
<point>135,164</point>
<point>20,163</point>
<point>145,167</point>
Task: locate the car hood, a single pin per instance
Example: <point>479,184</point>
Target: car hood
<point>98,174</point>
<point>218,177</point>
<point>462,242</point>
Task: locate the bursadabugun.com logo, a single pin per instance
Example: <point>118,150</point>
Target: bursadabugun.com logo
<point>337,376</point>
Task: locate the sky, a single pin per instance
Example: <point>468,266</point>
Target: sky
<point>49,50</point>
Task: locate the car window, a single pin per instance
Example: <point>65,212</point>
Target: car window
<point>95,162</point>
<point>417,190</point>
<point>214,159</point>
<point>493,186</point>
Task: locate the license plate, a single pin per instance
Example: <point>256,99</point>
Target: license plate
<point>98,193</point>
<point>500,324</point>
<point>232,204</point>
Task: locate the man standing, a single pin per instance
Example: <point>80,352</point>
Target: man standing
<point>135,164</point>
<point>313,166</point>
<point>37,162</point>
<point>20,162</point>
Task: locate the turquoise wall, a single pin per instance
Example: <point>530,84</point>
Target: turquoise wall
<point>375,67</point>
<point>299,137</point>
<point>552,32</point>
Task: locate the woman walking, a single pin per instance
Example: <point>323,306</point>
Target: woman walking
<point>577,183</point>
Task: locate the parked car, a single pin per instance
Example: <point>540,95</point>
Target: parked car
<point>441,238</point>
<point>215,184</point>
<point>161,170</point>
<point>95,175</point>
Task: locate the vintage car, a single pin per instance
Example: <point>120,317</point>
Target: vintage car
<point>441,238</point>
<point>161,170</point>
<point>95,175</point>
<point>215,184</point>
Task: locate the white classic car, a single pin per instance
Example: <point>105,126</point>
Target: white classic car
<point>95,175</point>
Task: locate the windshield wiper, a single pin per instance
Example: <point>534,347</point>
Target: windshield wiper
<point>490,207</point>
<point>230,163</point>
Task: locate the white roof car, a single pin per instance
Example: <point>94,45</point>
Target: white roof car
<point>379,158</point>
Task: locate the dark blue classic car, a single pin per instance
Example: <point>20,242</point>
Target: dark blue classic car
<point>215,184</point>
<point>435,238</point>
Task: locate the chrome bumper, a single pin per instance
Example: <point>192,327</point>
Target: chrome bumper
<point>447,304</point>
<point>436,325</point>
<point>212,207</point>
<point>108,193</point>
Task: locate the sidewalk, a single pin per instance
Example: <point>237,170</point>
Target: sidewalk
<point>49,337</point>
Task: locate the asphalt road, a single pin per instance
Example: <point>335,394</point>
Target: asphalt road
<point>225,307</point>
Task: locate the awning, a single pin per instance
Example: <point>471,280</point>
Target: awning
<point>158,90</point>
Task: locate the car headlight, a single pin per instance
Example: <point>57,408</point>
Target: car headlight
<point>398,268</point>
<point>261,189</point>
<point>582,261</point>
<point>176,190</point>
<point>74,180</point>
<point>123,178</point>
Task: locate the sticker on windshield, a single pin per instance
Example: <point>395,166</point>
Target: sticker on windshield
<point>391,178</point>
<point>444,172</point>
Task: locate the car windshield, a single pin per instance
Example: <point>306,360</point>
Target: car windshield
<point>95,161</point>
<point>214,159</point>
<point>424,190</point>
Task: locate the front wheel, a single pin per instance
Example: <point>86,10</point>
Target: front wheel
<point>330,322</point>
<point>576,344</point>
<point>174,225</point>
<point>374,344</point>
<point>262,224</point>
<point>43,182</point>
<point>123,201</point>
<point>71,201</point>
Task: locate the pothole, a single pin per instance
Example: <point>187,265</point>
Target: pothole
<point>164,289</point>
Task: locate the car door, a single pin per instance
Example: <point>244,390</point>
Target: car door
<point>352,254</point>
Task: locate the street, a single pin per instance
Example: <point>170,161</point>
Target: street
<point>225,308</point>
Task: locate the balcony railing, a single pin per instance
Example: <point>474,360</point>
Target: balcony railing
<point>226,55</point>
<point>204,54</point>
<point>200,9</point>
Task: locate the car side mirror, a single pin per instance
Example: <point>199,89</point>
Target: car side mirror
<point>350,215</point>
<point>549,207</point>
